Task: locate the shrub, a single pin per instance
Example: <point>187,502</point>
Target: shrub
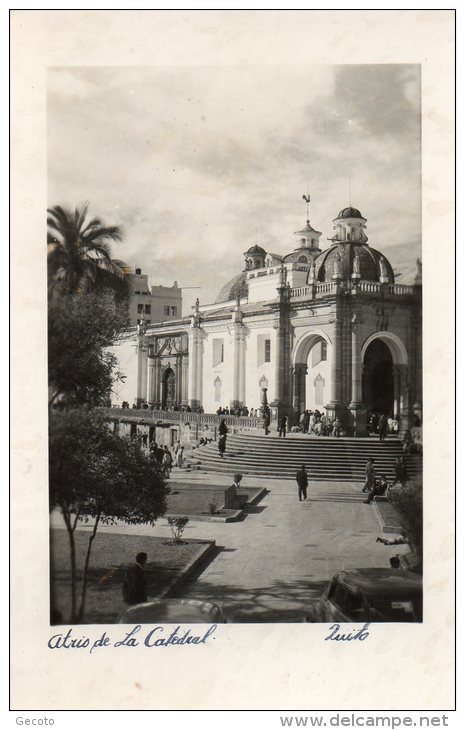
<point>408,500</point>
<point>177,525</point>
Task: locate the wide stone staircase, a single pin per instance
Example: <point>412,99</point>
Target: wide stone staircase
<point>325,458</point>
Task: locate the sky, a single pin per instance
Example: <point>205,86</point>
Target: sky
<point>197,164</point>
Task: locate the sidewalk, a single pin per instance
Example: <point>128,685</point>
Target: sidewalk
<point>283,552</point>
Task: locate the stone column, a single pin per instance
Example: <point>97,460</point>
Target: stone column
<point>199,368</point>
<point>356,407</point>
<point>336,366</point>
<point>184,380</point>
<point>194,401</point>
<point>298,400</point>
<point>142,351</point>
<point>238,365</point>
<point>151,397</point>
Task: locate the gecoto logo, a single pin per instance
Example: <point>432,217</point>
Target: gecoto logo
<point>35,720</point>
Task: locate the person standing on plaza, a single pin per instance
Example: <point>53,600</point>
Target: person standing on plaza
<point>370,480</point>
<point>382,427</point>
<point>135,582</point>
<point>267,421</point>
<point>336,427</point>
<point>167,461</point>
<point>180,457</point>
<point>302,482</point>
<point>283,427</point>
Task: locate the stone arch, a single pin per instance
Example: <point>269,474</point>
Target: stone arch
<point>384,378</point>
<point>300,355</point>
<point>305,343</point>
<point>394,343</point>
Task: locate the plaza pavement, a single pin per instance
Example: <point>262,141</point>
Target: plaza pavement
<point>283,552</point>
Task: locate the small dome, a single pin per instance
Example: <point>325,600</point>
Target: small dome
<point>236,285</point>
<point>350,213</point>
<point>369,263</point>
<point>257,250</point>
<point>125,268</point>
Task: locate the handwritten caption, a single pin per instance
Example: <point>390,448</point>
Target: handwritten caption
<point>134,637</point>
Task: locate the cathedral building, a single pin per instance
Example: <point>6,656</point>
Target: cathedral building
<point>317,328</point>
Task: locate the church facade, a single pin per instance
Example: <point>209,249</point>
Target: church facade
<point>327,329</point>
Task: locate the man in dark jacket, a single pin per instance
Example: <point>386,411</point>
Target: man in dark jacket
<point>283,426</point>
<point>302,481</point>
<point>135,583</point>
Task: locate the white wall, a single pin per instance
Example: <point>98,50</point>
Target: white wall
<point>126,353</point>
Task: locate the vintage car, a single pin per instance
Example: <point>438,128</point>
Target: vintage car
<point>173,611</point>
<point>370,595</point>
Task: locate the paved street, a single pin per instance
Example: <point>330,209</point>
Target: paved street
<point>283,552</point>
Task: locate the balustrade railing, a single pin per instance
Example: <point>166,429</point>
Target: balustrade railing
<point>208,419</point>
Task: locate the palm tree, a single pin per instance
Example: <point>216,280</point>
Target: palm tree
<point>79,252</point>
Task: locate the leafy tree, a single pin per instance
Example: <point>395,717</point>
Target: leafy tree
<point>94,474</point>
<point>79,256</point>
<point>80,327</point>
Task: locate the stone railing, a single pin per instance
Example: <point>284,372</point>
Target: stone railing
<point>330,287</point>
<point>203,419</point>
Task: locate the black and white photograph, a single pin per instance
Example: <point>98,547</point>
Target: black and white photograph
<point>242,369</point>
<point>235,344</point>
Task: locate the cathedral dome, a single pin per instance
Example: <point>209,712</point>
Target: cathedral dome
<point>371,263</point>
<point>235,286</point>
<point>256,250</point>
<point>350,213</point>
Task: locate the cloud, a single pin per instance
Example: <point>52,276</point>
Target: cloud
<point>191,161</point>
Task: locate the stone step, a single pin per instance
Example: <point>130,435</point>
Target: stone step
<point>325,457</point>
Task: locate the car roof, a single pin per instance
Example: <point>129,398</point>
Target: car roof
<point>173,610</point>
<point>382,582</point>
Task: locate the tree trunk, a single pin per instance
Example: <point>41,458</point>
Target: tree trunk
<point>72,548</point>
<point>86,568</point>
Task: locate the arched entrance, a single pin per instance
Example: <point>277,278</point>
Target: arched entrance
<point>385,375</point>
<point>378,378</point>
<point>168,395</point>
<point>311,372</point>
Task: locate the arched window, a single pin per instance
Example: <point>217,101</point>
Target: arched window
<point>217,385</point>
<point>302,260</point>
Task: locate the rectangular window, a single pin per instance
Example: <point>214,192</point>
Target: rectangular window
<point>166,310</point>
<point>140,308</point>
<point>263,349</point>
<point>148,309</point>
<point>218,352</point>
<point>174,311</point>
<point>267,350</point>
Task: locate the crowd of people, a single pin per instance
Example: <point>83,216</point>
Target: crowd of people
<point>166,460</point>
<point>239,411</point>
<point>319,424</point>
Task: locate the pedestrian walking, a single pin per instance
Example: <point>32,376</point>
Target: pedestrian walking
<point>382,427</point>
<point>370,476</point>
<point>283,427</point>
<point>302,482</point>
<point>222,445</point>
<point>180,457</point>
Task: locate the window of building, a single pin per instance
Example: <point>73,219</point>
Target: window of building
<point>319,352</point>
<point>166,310</point>
<point>174,311</point>
<point>267,350</point>
<point>148,309</point>
<point>217,385</point>
<point>218,351</point>
<point>263,349</point>
<point>140,308</point>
